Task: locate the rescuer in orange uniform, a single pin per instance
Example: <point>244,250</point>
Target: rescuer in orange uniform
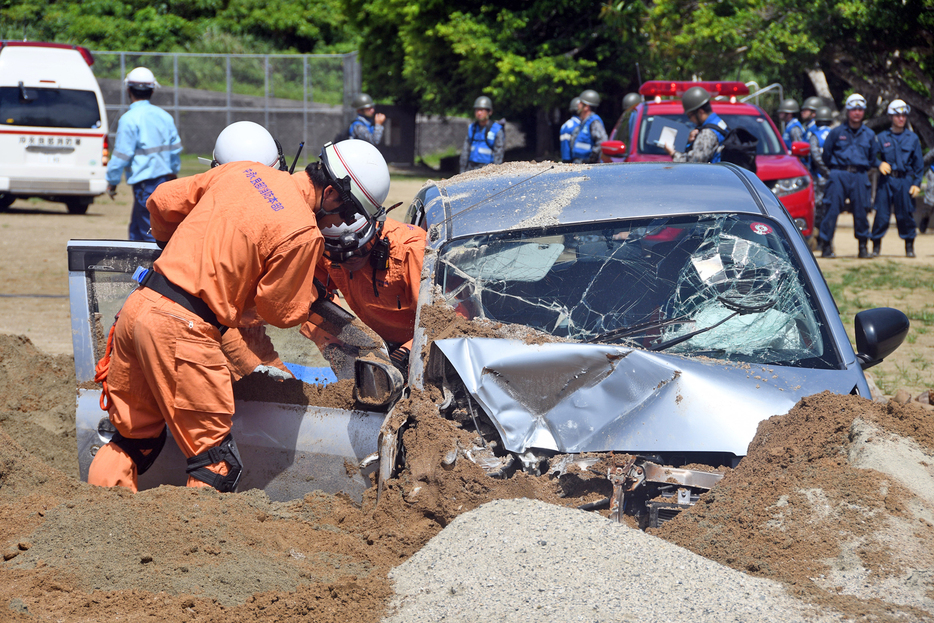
<point>240,236</point>
<point>379,279</point>
<point>375,263</point>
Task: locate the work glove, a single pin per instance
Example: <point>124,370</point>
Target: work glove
<point>914,190</point>
<point>111,191</point>
<point>273,372</point>
<point>885,168</point>
<point>400,359</point>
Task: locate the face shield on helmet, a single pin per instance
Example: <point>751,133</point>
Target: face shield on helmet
<point>855,101</point>
<point>358,172</point>
<point>898,107</point>
<point>248,141</point>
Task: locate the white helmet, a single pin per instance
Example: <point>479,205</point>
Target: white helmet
<point>855,101</point>
<point>245,140</point>
<point>140,78</point>
<point>359,173</point>
<point>898,107</point>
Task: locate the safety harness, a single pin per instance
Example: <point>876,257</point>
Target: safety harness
<point>225,451</point>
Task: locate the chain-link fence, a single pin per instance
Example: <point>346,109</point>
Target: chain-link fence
<point>297,97</point>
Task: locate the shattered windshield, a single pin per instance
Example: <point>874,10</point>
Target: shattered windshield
<point>724,286</point>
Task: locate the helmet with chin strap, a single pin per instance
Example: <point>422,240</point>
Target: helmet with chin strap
<point>359,173</point>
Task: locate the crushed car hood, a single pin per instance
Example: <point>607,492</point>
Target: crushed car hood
<point>596,398</point>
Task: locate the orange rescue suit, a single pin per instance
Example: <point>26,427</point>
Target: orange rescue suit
<point>241,235</point>
<point>392,313</point>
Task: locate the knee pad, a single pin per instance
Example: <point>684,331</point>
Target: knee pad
<point>225,451</point>
<point>135,447</point>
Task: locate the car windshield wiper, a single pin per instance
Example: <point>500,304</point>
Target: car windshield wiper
<point>624,332</point>
<point>738,310</point>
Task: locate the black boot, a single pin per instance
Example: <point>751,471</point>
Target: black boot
<point>876,247</point>
<point>910,248</point>
<point>827,249</point>
<point>863,249</point>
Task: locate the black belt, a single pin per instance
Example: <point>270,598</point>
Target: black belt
<point>158,283</point>
<point>898,174</point>
<point>850,168</point>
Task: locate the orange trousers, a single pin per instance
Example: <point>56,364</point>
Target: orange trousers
<point>166,369</point>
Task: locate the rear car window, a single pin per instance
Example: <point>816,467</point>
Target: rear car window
<point>49,108</point>
<point>769,143</point>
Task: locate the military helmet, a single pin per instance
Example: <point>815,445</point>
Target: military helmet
<point>824,114</point>
<point>694,98</point>
<point>812,103</point>
<point>483,102</point>
<point>574,104</point>
<point>590,97</point>
<point>631,100</point>
<point>361,101</point>
<point>788,105</point>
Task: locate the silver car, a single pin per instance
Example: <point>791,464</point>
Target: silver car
<point>648,317</point>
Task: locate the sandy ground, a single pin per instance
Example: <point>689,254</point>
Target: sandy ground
<point>835,499</point>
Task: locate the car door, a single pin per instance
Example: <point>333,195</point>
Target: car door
<point>289,447</point>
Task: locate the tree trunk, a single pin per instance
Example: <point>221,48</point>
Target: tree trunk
<point>819,80</point>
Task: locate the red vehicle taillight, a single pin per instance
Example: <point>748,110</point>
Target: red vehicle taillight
<point>105,156</point>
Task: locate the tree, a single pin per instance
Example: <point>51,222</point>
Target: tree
<point>881,49</point>
<point>530,57</point>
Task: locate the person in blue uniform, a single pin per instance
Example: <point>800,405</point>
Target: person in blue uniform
<point>849,151</point>
<point>147,148</point>
<point>368,126</point>
<point>567,130</point>
<point>817,136</point>
<point>794,131</point>
<point>486,139</point>
<point>900,181</point>
<point>586,138</point>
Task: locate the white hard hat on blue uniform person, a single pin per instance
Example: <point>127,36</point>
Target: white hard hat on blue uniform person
<point>898,107</point>
<point>140,78</point>
<point>855,101</point>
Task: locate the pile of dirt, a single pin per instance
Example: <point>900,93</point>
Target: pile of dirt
<point>836,499</point>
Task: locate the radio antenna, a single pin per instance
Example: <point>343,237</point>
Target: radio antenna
<point>300,145</point>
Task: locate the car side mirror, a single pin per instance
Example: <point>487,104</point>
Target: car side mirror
<point>613,148</point>
<point>879,332</point>
<point>377,383</point>
<point>801,149</point>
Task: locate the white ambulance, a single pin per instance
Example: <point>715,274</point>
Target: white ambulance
<point>53,125</point>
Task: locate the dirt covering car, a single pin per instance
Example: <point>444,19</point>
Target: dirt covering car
<point>624,327</point>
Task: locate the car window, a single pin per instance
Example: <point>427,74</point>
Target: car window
<point>769,143</point>
<point>49,108</point>
<point>722,286</point>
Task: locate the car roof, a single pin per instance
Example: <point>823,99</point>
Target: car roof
<point>43,66</point>
<point>527,195</point>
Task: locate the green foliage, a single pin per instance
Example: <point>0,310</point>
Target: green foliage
<point>441,56</point>
<point>228,26</point>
